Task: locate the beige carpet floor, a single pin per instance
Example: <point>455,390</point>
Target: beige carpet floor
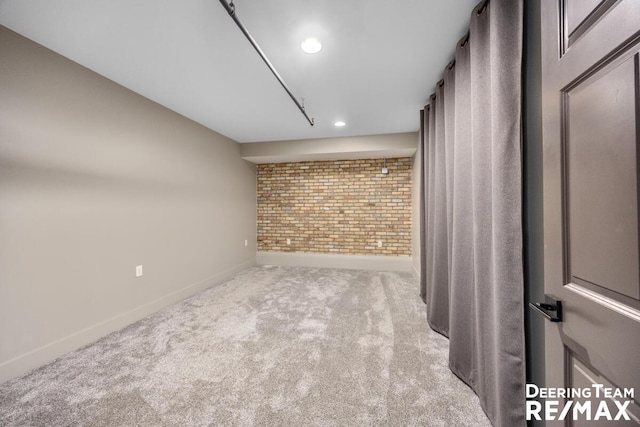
<point>274,346</point>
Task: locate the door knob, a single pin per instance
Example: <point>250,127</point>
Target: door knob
<point>551,308</point>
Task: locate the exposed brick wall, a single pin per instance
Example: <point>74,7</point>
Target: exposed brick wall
<point>336,207</point>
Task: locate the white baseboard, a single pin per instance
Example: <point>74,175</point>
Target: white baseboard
<point>351,262</point>
<point>42,355</point>
<point>416,272</point>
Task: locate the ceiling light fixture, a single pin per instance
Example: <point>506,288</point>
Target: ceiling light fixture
<point>339,124</point>
<point>311,45</point>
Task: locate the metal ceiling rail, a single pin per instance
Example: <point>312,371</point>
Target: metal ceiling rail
<point>230,8</point>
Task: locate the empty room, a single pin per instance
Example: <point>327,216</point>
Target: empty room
<point>328,213</point>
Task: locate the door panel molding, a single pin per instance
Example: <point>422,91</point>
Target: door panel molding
<point>611,304</point>
<point>629,292</point>
<point>581,375</point>
<point>615,57</point>
<point>570,34</point>
<point>605,292</point>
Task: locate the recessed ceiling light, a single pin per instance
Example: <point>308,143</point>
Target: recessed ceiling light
<point>311,45</point>
<point>339,124</point>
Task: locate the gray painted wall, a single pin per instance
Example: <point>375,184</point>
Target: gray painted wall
<point>533,220</point>
<point>94,180</point>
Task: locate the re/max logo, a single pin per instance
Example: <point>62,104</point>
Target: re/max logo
<point>610,406</point>
<point>576,410</point>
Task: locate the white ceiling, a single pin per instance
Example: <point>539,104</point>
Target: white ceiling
<point>379,63</point>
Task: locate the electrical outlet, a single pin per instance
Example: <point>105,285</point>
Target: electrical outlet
<point>288,241</point>
<point>379,243</point>
<point>246,243</point>
<point>138,270</point>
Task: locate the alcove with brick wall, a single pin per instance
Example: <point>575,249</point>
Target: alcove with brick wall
<point>340,207</point>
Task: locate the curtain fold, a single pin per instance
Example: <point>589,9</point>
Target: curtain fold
<point>430,137</point>
<point>462,308</point>
<point>424,135</point>
<point>449,91</point>
<point>472,251</point>
<point>438,273</point>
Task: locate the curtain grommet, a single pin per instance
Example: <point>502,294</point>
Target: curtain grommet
<point>482,8</point>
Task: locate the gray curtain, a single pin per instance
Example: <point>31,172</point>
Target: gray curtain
<point>472,278</point>
<point>462,331</point>
<point>424,133</point>
<point>438,241</point>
